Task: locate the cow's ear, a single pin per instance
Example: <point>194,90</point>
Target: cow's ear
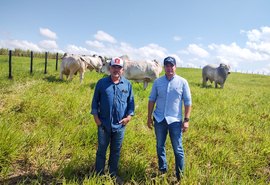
<point>102,58</point>
<point>82,59</point>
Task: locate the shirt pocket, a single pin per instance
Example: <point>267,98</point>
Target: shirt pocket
<point>123,95</point>
<point>177,92</point>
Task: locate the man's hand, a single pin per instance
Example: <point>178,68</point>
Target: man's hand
<point>97,120</point>
<point>150,123</point>
<point>185,126</point>
<point>125,120</point>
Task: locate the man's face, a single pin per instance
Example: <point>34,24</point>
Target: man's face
<point>169,69</point>
<point>116,71</point>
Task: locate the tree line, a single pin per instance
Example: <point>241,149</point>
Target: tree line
<point>27,53</point>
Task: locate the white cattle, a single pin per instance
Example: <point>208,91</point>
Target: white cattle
<point>95,62</point>
<point>139,71</point>
<point>216,74</point>
<point>71,64</point>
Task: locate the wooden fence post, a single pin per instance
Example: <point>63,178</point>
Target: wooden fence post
<point>56,65</point>
<point>46,61</point>
<point>10,65</point>
<point>31,62</point>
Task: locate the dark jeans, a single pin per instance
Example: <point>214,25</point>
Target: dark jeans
<point>175,132</point>
<point>115,140</point>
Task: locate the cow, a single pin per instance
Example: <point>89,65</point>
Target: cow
<point>139,71</point>
<point>216,74</point>
<point>95,61</point>
<point>71,64</point>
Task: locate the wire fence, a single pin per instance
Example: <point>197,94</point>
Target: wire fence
<point>45,65</point>
<point>235,70</point>
<point>55,56</point>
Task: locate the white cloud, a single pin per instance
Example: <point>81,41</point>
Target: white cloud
<point>47,33</point>
<point>234,52</point>
<point>152,51</point>
<point>259,40</point>
<point>95,44</point>
<point>256,35</point>
<point>256,52</point>
<point>102,36</point>
<point>19,44</point>
<point>177,38</point>
<point>78,50</point>
<point>263,47</point>
<point>106,45</point>
<point>197,50</point>
<point>48,44</point>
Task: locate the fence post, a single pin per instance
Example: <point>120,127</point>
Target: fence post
<point>10,64</point>
<point>31,62</point>
<point>56,65</point>
<point>46,61</point>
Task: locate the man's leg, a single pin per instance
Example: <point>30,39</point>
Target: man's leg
<point>161,131</point>
<point>103,142</point>
<point>115,148</point>
<point>175,132</point>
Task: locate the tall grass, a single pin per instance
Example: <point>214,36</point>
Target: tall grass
<point>47,135</point>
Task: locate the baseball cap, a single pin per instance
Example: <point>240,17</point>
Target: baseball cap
<point>117,62</point>
<point>170,60</point>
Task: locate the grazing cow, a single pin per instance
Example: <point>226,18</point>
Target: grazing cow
<point>139,71</point>
<point>217,74</point>
<point>95,62</point>
<point>71,64</point>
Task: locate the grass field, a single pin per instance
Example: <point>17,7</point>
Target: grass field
<point>47,135</point>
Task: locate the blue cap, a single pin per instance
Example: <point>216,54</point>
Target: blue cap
<point>170,60</point>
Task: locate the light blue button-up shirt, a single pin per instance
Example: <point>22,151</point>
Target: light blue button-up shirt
<point>169,95</point>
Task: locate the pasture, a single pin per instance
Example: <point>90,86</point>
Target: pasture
<point>47,135</point>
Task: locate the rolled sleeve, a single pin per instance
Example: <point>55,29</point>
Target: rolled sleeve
<point>153,94</point>
<point>131,104</point>
<point>187,95</point>
<point>95,100</point>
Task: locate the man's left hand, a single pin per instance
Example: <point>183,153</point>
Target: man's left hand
<point>185,126</point>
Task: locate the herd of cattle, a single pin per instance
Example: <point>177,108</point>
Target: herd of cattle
<point>139,71</point>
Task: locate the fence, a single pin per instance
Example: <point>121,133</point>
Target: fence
<point>31,63</point>
<point>235,70</point>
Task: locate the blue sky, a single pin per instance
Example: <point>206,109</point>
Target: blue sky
<point>195,32</point>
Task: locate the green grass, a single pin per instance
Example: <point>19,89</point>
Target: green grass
<point>47,135</point>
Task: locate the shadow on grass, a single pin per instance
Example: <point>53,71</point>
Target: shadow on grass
<point>92,85</point>
<point>29,178</point>
<point>77,175</point>
<point>52,79</point>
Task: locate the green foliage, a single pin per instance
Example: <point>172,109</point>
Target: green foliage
<point>47,135</point>
<point>27,53</point>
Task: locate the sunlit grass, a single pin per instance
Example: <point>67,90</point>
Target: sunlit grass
<point>47,134</point>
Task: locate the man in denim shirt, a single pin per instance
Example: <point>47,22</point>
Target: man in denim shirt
<point>169,92</point>
<point>112,108</point>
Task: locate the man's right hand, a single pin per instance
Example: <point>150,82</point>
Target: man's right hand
<point>150,123</point>
<point>97,120</point>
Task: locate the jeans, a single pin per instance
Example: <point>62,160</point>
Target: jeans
<point>115,140</point>
<point>175,132</point>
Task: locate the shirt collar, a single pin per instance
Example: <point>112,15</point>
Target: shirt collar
<point>171,78</point>
<point>120,81</point>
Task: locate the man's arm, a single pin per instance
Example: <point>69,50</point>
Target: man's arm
<point>151,105</point>
<point>97,120</point>
<point>186,118</point>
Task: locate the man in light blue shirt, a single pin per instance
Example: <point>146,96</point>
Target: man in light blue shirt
<point>169,93</point>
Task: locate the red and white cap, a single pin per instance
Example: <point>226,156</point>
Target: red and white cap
<point>117,62</point>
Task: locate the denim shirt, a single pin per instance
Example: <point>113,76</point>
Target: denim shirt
<point>112,102</point>
<point>168,96</point>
